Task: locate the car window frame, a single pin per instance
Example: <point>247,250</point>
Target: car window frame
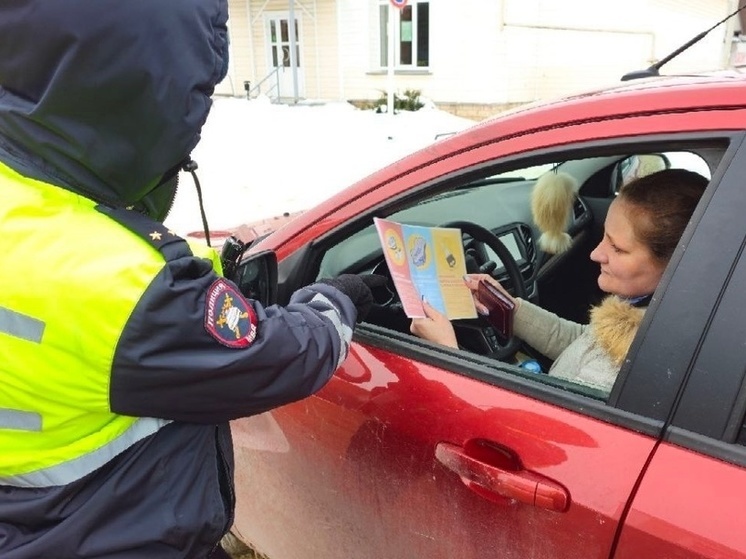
<point>673,306</point>
<point>710,415</point>
<point>499,374</point>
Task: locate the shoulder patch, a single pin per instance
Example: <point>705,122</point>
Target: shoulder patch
<point>229,317</point>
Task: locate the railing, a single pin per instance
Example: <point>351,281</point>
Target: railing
<point>257,89</point>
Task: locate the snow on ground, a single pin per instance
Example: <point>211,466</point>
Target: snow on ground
<point>258,159</point>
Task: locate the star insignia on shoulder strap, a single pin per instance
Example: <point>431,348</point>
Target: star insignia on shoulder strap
<point>155,235</point>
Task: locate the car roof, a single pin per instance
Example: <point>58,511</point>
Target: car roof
<point>657,94</point>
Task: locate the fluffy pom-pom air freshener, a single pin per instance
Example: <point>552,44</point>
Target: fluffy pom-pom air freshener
<point>551,204</point>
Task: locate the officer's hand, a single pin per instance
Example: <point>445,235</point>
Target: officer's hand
<point>357,288</point>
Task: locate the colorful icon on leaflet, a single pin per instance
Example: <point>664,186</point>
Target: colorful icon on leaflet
<point>450,259</point>
<point>418,251</point>
<point>395,246</point>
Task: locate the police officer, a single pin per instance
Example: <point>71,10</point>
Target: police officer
<point>123,352</point>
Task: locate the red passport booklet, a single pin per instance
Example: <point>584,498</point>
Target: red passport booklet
<point>500,307</point>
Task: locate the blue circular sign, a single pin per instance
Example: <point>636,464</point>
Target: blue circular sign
<point>398,3</point>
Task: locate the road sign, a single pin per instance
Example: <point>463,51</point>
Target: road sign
<point>398,3</point>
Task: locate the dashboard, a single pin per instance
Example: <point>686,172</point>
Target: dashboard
<point>502,207</point>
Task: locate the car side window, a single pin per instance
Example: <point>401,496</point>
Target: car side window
<point>639,165</point>
<point>565,283</point>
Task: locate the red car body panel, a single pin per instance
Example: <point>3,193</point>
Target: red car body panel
<point>366,458</point>
<point>364,440</point>
<point>677,482</point>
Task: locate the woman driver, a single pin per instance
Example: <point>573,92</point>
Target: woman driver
<point>642,229</point>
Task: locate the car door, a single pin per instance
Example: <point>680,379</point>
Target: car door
<point>400,457</point>
<point>690,502</point>
<point>413,451</point>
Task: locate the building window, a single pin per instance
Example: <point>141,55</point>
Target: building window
<point>279,40</point>
<point>411,34</point>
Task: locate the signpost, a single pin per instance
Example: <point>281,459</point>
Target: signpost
<point>398,4</point>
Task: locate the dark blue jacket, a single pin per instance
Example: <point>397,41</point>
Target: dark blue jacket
<point>105,99</point>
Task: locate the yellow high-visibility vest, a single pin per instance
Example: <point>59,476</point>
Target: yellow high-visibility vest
<point>72,277</point>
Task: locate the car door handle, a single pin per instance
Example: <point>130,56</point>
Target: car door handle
<point>486,479</point>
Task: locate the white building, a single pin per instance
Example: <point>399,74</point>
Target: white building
<point>465,55</point>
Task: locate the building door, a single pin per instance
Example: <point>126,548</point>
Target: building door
<point>281,55</point>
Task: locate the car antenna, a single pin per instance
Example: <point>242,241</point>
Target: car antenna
<point>653,70</point>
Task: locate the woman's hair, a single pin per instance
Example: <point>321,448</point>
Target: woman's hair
<point>664,201</point>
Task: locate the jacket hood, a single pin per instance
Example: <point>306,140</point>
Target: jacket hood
<point>105,97</point>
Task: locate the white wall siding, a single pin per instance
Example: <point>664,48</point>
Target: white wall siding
<point>486,51</point>
<point>323,79</point>
<point>547,62</point>
<point>534,49</point>
<point>465,52</point>
<point>239,52</point>
<point>358,45</point>
<point>677,21</point>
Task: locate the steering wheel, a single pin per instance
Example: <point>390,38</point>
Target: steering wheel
<point>482,341</point>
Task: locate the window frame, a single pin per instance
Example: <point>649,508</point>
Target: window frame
<point>384,10</point>
<point>710,415</point>
<point>648,418</point>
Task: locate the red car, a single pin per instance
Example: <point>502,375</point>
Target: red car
<point>415,450</point>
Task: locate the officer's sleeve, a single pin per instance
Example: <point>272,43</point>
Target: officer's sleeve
<point>196,350</point>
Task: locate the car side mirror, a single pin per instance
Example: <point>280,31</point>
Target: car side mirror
<point>256,277</point>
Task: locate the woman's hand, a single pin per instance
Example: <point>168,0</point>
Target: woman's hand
<point>435,327</point>
<point>472,281</point>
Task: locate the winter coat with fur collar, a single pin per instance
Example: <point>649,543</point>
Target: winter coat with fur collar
<point>591,354</point>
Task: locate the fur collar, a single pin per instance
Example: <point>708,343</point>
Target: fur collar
<point>614,324</point>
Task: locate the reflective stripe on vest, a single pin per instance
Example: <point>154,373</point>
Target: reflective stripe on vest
<point>20,420</point>
<point>21,326</point>
<point>74,469</point>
